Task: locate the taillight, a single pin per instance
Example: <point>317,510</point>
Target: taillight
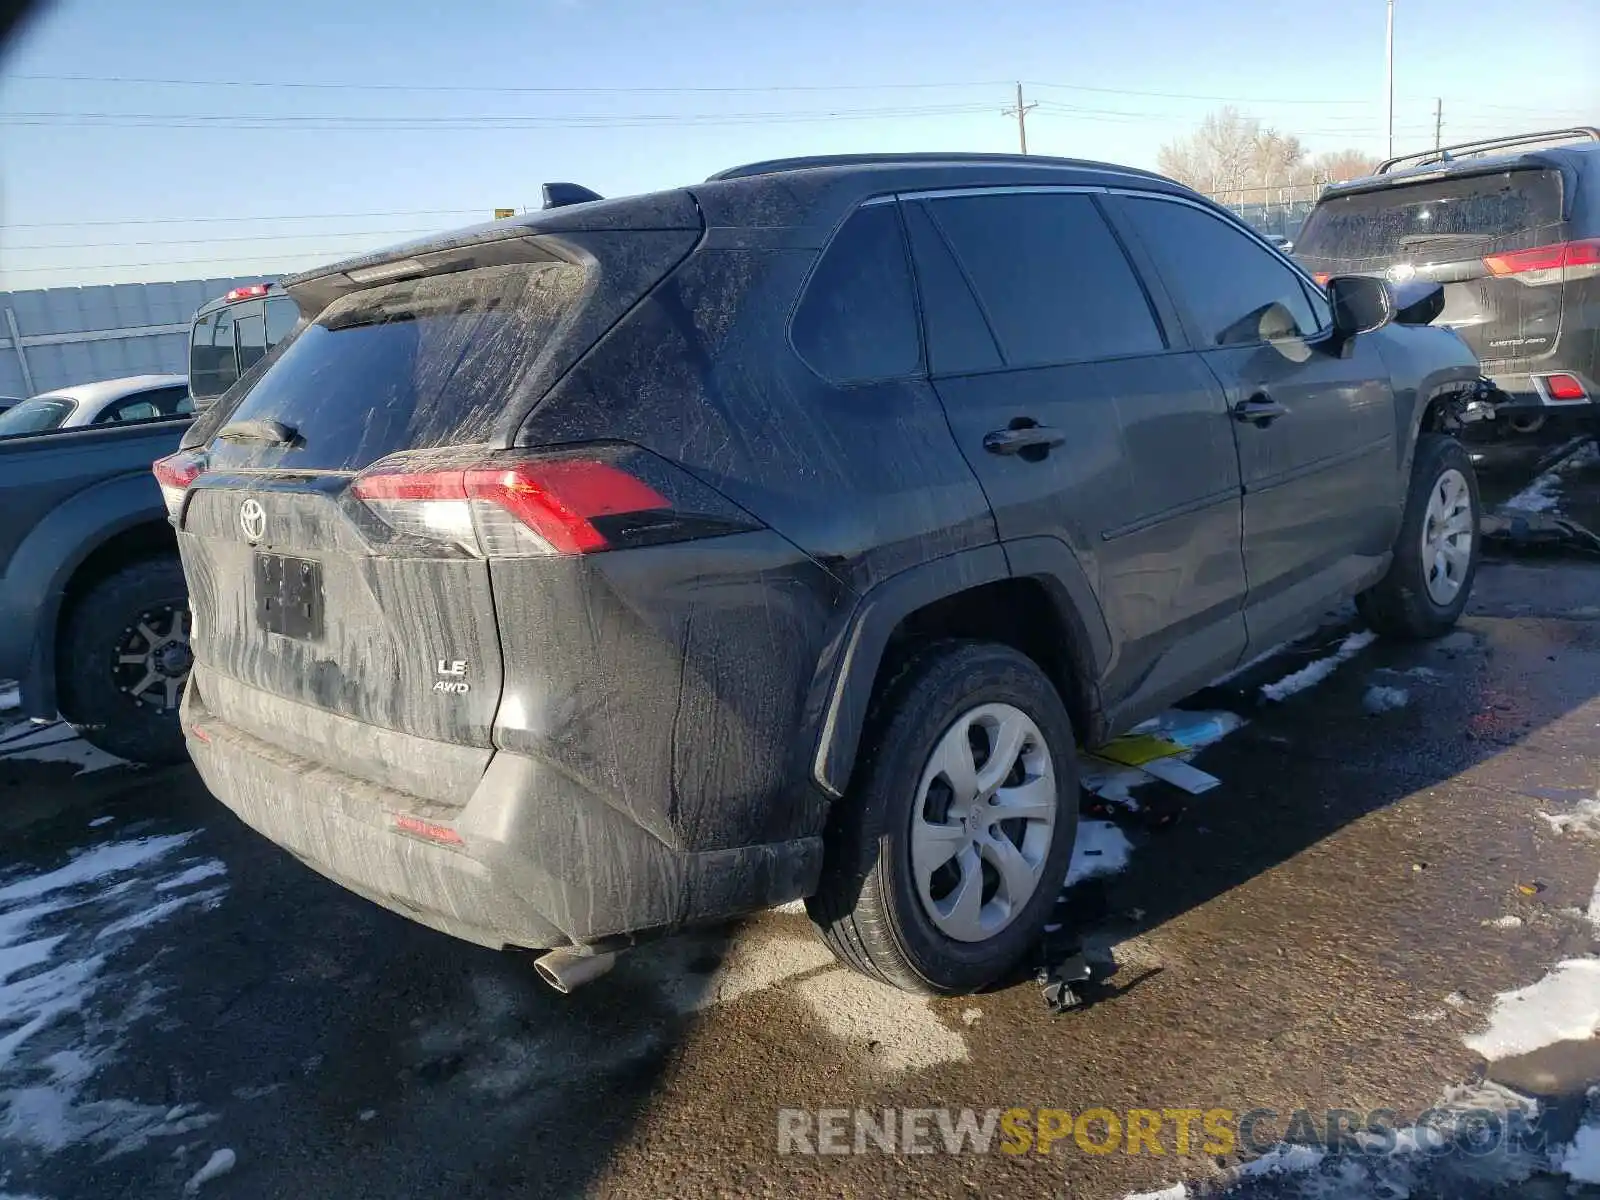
<point>574,503</point>
<point>1322,278</point>
<point>175,473</point>
<point>247,292</point>
<point>1556,263</point>
<point>1562,386</point>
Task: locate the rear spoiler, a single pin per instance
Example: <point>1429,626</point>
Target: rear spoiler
<point>493,243</point>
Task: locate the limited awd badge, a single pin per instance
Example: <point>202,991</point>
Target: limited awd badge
<point>253,520</point>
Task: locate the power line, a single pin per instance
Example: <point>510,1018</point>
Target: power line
<point>459,124</point>
<point>344,85</point>
<point>313,255</point>
<point>724,89</point>
<point>252,237</point>
<point>414,212</point>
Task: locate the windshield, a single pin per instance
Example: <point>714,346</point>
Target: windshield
<point>38,415</point>
<point>1436,221</point>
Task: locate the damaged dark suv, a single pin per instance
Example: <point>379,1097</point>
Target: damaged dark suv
<point>644,562</point>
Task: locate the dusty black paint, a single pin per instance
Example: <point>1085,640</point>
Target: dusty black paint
<point>652,736</point>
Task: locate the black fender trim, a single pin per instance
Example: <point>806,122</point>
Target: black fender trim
<point>881,610</point>
<point>41,567</point>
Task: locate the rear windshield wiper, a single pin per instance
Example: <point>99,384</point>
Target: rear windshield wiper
<point>275,433</point>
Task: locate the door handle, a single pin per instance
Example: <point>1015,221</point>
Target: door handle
<point>1040,438</point>
<point>1259,410</point>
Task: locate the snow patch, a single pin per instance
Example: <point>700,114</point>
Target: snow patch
<point>794,907</point>
<point>1583,820</point>
<point>1581,1160</point>
<point>1543,494</point>
<point>1283,1160</point>
<point>219,1164</point>
<point>1314,673</point>
<point>1101,849</point>
<point>1563,1006</point>
<point>1506,922</point>
<point>58,743</point>
<point>61,932</point>
<point>1176,1192</point>
<point>1385,699</point>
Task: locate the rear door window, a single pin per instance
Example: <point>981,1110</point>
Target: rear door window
<point>1050,276</point>
<point>213,362</point>
<point>1232,289</point>
<point>1440,220</point>
<point>410,365</point>
<point>857,320</point>
<point>134,408</point>
<point>250,326</point>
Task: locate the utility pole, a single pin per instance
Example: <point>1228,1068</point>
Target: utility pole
<point>1438,119</point>
<point>1388,55</point>
<point>1021,110</point>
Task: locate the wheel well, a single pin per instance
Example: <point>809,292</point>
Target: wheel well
<point>153,539</point>
<point>1015,612</point>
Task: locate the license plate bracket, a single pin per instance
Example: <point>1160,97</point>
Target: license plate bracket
<point>288,595</point>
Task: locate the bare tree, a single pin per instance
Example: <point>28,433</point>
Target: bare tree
<point>1337,165</point>
<point>1240,160</point>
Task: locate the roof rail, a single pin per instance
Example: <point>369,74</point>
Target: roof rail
<point>1578,133</point>
<point>867,160</point>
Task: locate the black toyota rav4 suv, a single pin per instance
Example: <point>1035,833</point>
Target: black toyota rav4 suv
<point>1511,228</point>
<point>643,562</point>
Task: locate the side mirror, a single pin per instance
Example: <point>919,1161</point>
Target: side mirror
<point>1361,304</point>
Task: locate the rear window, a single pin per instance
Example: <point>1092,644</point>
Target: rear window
<point>411,365</point>
<point>1440,220</point>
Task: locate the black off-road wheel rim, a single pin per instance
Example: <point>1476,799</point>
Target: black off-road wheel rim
<point>152,659</point>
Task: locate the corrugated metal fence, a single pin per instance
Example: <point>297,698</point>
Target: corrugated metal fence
<point>61,336</point>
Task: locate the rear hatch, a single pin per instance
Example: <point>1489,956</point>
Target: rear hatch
<point>1496,241</point>
<point>337,543</point>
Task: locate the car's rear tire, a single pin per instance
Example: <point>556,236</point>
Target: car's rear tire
<point>890,904</point>
<point>123,659</point>
<point>1436,553</point>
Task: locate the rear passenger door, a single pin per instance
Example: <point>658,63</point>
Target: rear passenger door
<point>1314,420</point>
<point>1086,421</point>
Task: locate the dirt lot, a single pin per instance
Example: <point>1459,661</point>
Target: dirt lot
<point>1390,903</point>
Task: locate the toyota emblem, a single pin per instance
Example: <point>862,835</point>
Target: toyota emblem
<point>253,520</point>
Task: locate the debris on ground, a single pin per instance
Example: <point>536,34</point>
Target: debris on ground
<point>1159,748</point>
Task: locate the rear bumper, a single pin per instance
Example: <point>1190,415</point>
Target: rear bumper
<point>540,863</point>
<point>1525,391</point>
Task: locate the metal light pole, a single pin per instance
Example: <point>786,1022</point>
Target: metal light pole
<point>1388,55</point>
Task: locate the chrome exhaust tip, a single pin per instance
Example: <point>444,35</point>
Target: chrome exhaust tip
<point>569,967</point>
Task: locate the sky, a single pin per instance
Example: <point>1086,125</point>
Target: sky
<point>166,140</point>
